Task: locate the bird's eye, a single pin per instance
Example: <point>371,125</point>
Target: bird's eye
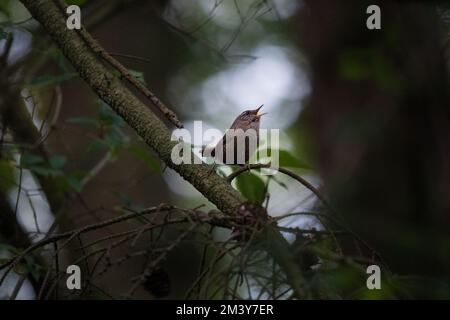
<point>246,113</point>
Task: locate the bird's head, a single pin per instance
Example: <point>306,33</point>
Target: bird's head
<point>250,116</point>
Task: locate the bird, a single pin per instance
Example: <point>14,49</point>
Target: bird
<point>241,139</point>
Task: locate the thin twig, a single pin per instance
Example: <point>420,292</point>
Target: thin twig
<point>97,49</point>
<point>130,56</point>
<point>208,18</point>
<point>155,262</point>
<point>74,233</point>
<point>54,119</point>
<point>304,182</point>
<point>18,285</point>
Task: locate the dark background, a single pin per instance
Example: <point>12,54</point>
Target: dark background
<point>367,110</point>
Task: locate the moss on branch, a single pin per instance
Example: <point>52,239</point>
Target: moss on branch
<point>111,90</point>
<point>150,128</point>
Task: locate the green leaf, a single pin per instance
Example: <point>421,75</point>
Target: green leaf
<point>33,267</point>
<point>143,154</point>
<point>57,161</point>
<point>285,158</point>
<point>44,171</point>
<point>58,57</point>
<point>49,79</point>
<point>109,117</point>
<point>4,6</point>
<point>83,120</point>
<point>290,161</point>
<point>251,186</point>
<point>114,140</point>
<point>353,67</point>
<point>98,144</point>
<point>3,34</point>
<point>369,64</point>
<point>37,164</point>
<point>7,179</point>
<point>129,203</point>
<point>7,250</point>
<point>139,75</point>
<point>29,160</point>
<point>74,182</point>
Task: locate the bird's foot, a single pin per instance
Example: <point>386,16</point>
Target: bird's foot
<point>247,166</point>
<point>212,169</point>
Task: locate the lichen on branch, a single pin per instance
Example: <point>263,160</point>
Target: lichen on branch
<point>151,129</point>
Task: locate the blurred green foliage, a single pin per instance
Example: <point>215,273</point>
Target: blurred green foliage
<point>370,64</point>
<point>251,186</point>
<point>7,178</point>
<point>212,46</point>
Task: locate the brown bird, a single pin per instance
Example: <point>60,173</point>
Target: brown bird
<point>241,139</point>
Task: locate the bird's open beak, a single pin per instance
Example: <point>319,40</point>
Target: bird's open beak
<point>256,112</point>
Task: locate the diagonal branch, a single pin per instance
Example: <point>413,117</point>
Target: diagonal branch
<point>289,173</point>
<point>95,47</point>
<point>111,90</point>
<point>152,130</point>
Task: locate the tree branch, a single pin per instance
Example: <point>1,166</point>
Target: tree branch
<point>95,47</point>
<point>289,173</point>
<point>151,129</point>
<point>110,89</point>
